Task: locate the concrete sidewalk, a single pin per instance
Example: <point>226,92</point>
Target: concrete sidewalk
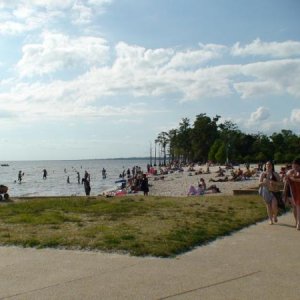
<point>259,262</point>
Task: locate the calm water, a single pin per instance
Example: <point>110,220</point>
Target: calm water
<point>58,171</point>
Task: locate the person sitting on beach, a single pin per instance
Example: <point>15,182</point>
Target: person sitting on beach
<point>247,174</point>
<point>220,172</point>
<point>237,175</point>
<point>200,171</point>
<point>133,185</point>
<point>202,184</point>
<point>239,172</point>
<point>207,170</point>
<point>191,169</point>
<point>192,191</point>
<point>195,191</point>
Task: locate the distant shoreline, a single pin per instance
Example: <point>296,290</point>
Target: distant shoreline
<point>83,159</point>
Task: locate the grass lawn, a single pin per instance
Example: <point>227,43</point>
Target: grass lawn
<point>157,226</point>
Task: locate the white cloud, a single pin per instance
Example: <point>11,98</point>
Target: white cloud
<point>58,51</point>
<point>271,77</point>
<point>18,17</point>
<point>12,28</point>
<point>82,14</point>
<point>52,4</point>
<point>256,88</point>
<point>295,115</point>
<point>134,72</point>
<point>273,49</point>
<point>193,58</point>
<point>261,114</point>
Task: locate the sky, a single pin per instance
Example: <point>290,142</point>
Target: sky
<point>88,79</point>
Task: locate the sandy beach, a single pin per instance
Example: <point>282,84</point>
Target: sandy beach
<point>177,184</point>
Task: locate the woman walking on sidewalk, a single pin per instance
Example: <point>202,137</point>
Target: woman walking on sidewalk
<point>268,182</point>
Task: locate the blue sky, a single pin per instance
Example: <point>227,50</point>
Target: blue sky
<point>102,78</point>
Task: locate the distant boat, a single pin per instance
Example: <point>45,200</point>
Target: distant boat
<point>4,165</point>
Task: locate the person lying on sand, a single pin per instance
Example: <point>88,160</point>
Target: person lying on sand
<point>225,179</point>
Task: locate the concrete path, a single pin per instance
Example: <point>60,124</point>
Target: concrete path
<point>259,262</point>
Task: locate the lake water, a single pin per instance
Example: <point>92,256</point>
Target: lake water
<point>56,184</point>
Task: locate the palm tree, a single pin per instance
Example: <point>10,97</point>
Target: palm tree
<point>163,140</point>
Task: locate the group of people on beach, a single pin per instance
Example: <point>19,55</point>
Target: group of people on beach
<point>136,181</point>
<point>202,189</point>
<point>278,191</point>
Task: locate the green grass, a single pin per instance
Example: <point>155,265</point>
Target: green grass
<point>157,226</point>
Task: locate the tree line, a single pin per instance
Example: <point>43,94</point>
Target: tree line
<point>207,139</point>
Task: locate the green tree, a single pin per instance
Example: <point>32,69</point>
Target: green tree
<point>204,133</point>
<point>279,157</point>
<point>207,140</point>
<point>163,140</point>
<point>214,149</point>
<point>230,135</point>
<point>221,154</point>
<point>263,147</point>
<point>173,147</point>
<point>261,157</point>
<point>184,140</point>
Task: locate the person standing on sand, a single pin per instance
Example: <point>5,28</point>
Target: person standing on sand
<point>267,183</point>
<point>87,187</point>
<point>145,185</point>
<point>292,189</point>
